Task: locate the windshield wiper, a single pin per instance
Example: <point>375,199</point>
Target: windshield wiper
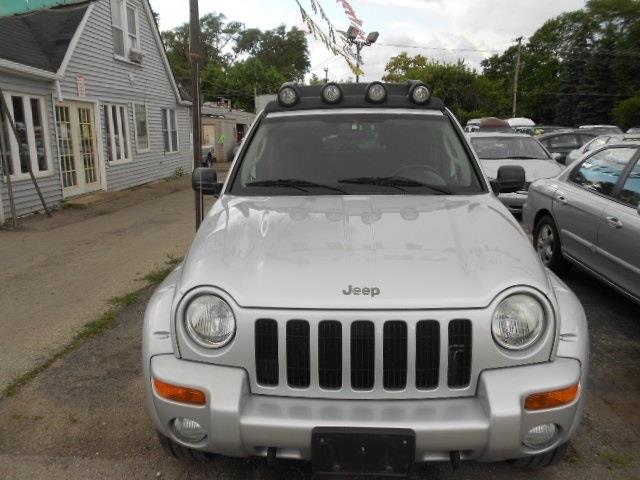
<point>394,182</point>
<point>295,183</point>
<point>518,157</point>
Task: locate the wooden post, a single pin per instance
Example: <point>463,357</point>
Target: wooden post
<point>195,55</point>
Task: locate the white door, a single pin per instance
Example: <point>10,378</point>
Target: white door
<point>77,149</point>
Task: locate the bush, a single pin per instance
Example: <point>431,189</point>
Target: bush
<point>627,112</point>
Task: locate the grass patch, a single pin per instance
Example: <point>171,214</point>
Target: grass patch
<point>158,275</point>
<point>620,459</point>
<point>94,328</point>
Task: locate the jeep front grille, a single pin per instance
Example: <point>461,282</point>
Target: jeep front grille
<point>459,353</point>
<point>266,348</point>
<point>330,354</point>
<point>427,354</point>
<point>400,367</point>
<point>363,355</point>
<point>298,374</point>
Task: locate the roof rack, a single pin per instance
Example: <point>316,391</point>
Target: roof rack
<point>412,94</point>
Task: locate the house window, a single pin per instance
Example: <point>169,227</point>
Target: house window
<point>169,130</point>
<point>124,24</point>
<point>142,127</point>
<point>116,119</point>
<point>31,148</point>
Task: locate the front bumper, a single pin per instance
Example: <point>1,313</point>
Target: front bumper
<point>486,427</point>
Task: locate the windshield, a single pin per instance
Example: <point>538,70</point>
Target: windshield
<point>497,148</point>
<point>354,153</point>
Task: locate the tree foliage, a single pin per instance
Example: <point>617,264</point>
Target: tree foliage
<point>577,66</point>
<point>236,61</point>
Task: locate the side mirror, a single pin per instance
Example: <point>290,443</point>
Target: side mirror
<point>558,157</point>
<point>205,180</point>
<point>511,178</point>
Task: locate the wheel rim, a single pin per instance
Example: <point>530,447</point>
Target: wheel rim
<point>545,244</point>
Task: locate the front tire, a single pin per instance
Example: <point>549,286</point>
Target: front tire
<point>542,460</point>
<point>546,241</point>
<point>183,453</point>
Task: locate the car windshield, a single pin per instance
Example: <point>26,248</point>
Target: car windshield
<point>353,153</point>
<point>497,148</point>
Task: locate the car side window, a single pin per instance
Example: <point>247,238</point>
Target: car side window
<point>601,172</point>
<point>630,193</point>
<point>564,141</point>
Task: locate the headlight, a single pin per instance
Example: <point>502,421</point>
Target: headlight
<point>518,322</point>
<point>209,321</point>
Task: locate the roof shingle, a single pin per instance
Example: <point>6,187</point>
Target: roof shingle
<point>40,39</point>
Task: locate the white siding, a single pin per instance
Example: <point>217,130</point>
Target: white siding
<point>109,80</point>
<point>25,195</point>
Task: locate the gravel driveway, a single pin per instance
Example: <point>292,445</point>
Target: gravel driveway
<point>85,417</point>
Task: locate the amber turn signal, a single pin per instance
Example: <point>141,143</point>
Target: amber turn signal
<point>179,394</point>
<point>553,399</point>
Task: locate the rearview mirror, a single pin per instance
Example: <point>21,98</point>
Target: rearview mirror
<point>205,180</point>
<point>558,157</point>
<point>511,178</point>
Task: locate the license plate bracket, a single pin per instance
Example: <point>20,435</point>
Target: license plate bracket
<point>364,451</point>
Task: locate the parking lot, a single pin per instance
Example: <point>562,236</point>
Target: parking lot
<point>85,417</point>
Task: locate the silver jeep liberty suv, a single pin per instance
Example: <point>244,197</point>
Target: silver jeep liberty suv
<point>359,297</point>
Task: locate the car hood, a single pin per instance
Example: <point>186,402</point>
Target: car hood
<point>533,169</point>
<point>418,251</point>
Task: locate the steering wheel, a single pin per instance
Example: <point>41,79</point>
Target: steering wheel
<point>421,173</point>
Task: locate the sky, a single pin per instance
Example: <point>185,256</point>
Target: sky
<point>439,29</point>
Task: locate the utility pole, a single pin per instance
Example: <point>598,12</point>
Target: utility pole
<point>195,55</point>
<point>359,46</point>
<point>326,75</point>
<point>516,76</point>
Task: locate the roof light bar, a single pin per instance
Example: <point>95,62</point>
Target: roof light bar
<point>376,92</point>
<point>331,93</point>
<point>288,95</point>
<point>419,93</point>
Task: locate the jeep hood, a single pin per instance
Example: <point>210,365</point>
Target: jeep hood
<point>533,169</point>
<point>419,251</point>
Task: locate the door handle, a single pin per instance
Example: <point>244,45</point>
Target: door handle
<point>562,199</point>
<point>614,222</point>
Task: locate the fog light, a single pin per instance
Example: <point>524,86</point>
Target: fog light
<point>287,95</point>
<point>188,430</point>
<point>331,93</point>
<point>420,94</point>
<point>541,436</point>
<point>376,93</point>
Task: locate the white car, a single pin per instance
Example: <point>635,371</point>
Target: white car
<point>499,149</point>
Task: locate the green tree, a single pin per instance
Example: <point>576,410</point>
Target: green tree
<point>462,89</point>
<point>237,61</point>
<point>627,112</point>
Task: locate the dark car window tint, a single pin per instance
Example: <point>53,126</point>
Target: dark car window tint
<point>328,148</point>
<point>601,171</point>
<point>564,141</point>
<point>631,189</point>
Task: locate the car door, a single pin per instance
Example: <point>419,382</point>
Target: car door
<point>619,234</point>
<point>580,201</point>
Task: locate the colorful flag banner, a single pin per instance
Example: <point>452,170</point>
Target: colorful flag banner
<point>356,22</point>
<point>329,41</point>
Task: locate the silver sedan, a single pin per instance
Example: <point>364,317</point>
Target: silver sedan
<point>498,149</point>
<point>589,215</point>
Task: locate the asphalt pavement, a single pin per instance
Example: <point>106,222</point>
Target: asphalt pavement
<point>85,417</point>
